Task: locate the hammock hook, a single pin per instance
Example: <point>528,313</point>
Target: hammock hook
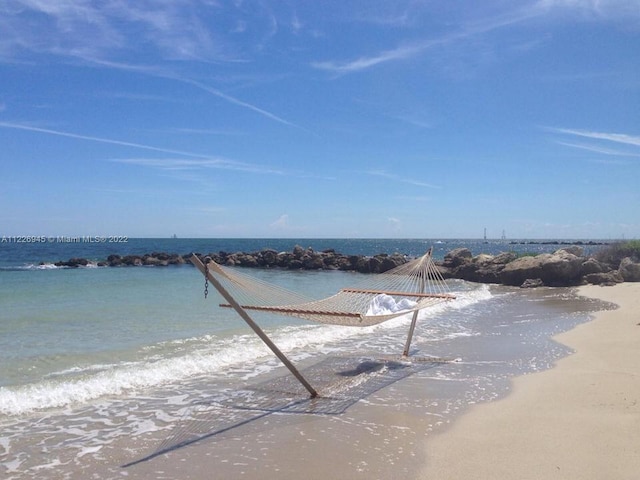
<point>207,260</point>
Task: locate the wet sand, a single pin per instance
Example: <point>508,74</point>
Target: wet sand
<point>579,420</point>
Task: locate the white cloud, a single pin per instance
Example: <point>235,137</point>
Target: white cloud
<point>282,223</point>
<point>597,149</point>
<point>96,139</point>
<point>203,161</point>
<point>610,137</point>
<point>191,164</point>
<point>398,178</point>
<point>101,28</point>
<point>412,50</point>
<point>396,224</point>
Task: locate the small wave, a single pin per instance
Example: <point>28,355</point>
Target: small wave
<point>30,266</point>
<point>208,355</point>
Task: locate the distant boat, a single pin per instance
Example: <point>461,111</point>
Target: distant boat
<point>174,236</point>
<point>485,236</point>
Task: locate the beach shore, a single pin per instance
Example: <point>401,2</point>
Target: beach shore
<point>579,420</point>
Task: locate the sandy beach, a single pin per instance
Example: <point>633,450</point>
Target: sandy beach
<point>579,420</point>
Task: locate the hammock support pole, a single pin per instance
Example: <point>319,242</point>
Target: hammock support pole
<point>414,319</point>
<point>254,326</point>
<point>410,335</point>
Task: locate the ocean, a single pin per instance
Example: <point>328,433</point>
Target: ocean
<point>121,362</point>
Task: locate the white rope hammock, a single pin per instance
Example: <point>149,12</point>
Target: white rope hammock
<point>404,289</point>
<point>407,288</point>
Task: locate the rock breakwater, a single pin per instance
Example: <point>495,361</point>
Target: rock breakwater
<point>565,267</point>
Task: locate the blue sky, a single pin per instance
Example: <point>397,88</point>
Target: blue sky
<point>407,119</point>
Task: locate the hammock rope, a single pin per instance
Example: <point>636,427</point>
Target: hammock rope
<point>404,289</point>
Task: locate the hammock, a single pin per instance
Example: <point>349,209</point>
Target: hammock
<point>407,288</point>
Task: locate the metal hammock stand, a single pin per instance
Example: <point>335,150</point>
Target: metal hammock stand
<point>410,287</point>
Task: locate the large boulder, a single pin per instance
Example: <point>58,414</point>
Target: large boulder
<point>457,257</point>
<point>504,258</point>
<point>523,268</point>
<point>269,257</point>
<point>629,270</point>
<point>560,268</point>
<point>312,261</point>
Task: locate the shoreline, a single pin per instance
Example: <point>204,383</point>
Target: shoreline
<point>578,420</point>
<point>382,436</point>
<point>384,432</point>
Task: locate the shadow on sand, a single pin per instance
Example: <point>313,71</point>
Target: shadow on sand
<point>341,382</point>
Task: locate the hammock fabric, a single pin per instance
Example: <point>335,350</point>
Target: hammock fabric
<point>380,297</point>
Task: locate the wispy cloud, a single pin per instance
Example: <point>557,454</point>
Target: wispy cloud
<point>59,133</point>
<point>203,161</point>
<point>395,224</point>
<point>597,149</point>
<point>623,138</point>
<point>205,131</point>
<point>235,101</point>
<point>174,30</point>
<point>208,163</point>
<point>98,32</point>
<point>412,50</point>
<point>281,222</point>
<point>398,178</point>
<point>363,63</point>
<point>155,71</point>
<point>283,225</point>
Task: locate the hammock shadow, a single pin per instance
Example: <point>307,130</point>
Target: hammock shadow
<point>341,381</point>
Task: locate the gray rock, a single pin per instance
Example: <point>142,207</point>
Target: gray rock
<point>516,272</point>
<point>605,278</point>
<point>574,250</point>
<point>591,265</point>
<point>457,257</point>
<point>629,270</point>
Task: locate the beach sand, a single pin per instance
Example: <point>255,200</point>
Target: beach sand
<point>579,420</point>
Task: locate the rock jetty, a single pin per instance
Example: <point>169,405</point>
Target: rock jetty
<point>565,267</point>
<point>298,259</point>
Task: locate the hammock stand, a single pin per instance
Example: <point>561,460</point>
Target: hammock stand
<point>418,280</point>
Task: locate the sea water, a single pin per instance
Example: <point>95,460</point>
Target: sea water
<point>93,355</point>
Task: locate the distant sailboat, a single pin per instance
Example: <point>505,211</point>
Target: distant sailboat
<point>485,236</point>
